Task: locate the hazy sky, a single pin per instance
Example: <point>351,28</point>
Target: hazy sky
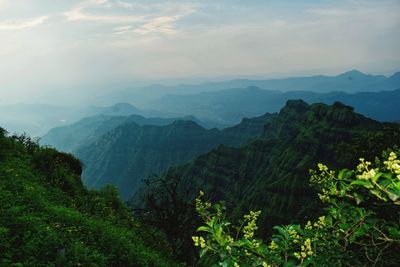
<point>49,45</point>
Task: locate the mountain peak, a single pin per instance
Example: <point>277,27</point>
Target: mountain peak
<point>186,124</point>
<point>123,105</point>
<point>297,105</point>
<point>352,74</point>
<point>253,88</point>
<point>396,75</point>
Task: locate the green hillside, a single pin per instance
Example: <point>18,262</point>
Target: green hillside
<point>270,174</point>
<point>130,152</point>
<point>49,219</point>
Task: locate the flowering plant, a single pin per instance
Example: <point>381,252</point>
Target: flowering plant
<point>360,225</point>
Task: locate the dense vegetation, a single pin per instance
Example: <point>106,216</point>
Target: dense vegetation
<point>268,174</point>
<point>47,217</point>
<point>360,226</point>
<point>132,152</point>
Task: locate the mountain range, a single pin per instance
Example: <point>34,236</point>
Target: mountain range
<point>349,82</point>
<point>37,119</point>
<point>131,152</point>
<point>271,172</point>
<point>87,130</point>
<point>229,106</point>
<point>204,101</point>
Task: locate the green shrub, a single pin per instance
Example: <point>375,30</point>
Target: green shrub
<point>360,226</point>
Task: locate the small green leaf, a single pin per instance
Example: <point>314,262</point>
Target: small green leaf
<point>376,177</point>
<point>203,252</point>
<point>204,229</point>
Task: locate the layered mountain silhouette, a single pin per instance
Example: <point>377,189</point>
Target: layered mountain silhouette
<point>349,82</point>
<point>205,102</point>
<point>84,132</point>
<point>37,119</point>
<point>227,107</point>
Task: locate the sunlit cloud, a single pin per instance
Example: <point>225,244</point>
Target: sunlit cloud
<point>12,25</point>
<point>80,13</point>
<point>142,18</point>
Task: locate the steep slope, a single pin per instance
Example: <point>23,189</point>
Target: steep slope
<point>271,173</point>
<point>130,152</point>
<point>227,107</point>
<point>84,132</point>
<point>47,217</point>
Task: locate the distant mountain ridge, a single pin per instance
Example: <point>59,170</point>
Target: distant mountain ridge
<point>227,107</point>
<point>131,152</point>
<point>37,119</point>
<point>84,132</point>
<point>349,82</point>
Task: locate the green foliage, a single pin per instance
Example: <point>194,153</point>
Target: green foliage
<point>360,226</point>
<point>47,217</point>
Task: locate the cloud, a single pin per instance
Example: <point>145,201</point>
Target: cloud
<point>132,18</point>
<point>159,24</point>
<point>79,13</point>
<point>329,12</point>
<point>142,19</point>
<point>12,25</point>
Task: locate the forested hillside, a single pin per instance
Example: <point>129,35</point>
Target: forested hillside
<point>269,174</point>
<point>132,152</point>
<point>49,219</point>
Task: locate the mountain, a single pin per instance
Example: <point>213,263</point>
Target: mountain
<point>37,119</point>
<point>271,173</point>
<point>48,218</point>
<point>132,152</point>
<point>228,107</point>
<point>69,138</point>
<point>349,82</point>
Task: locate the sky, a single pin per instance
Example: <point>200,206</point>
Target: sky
<point>49,46</point>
